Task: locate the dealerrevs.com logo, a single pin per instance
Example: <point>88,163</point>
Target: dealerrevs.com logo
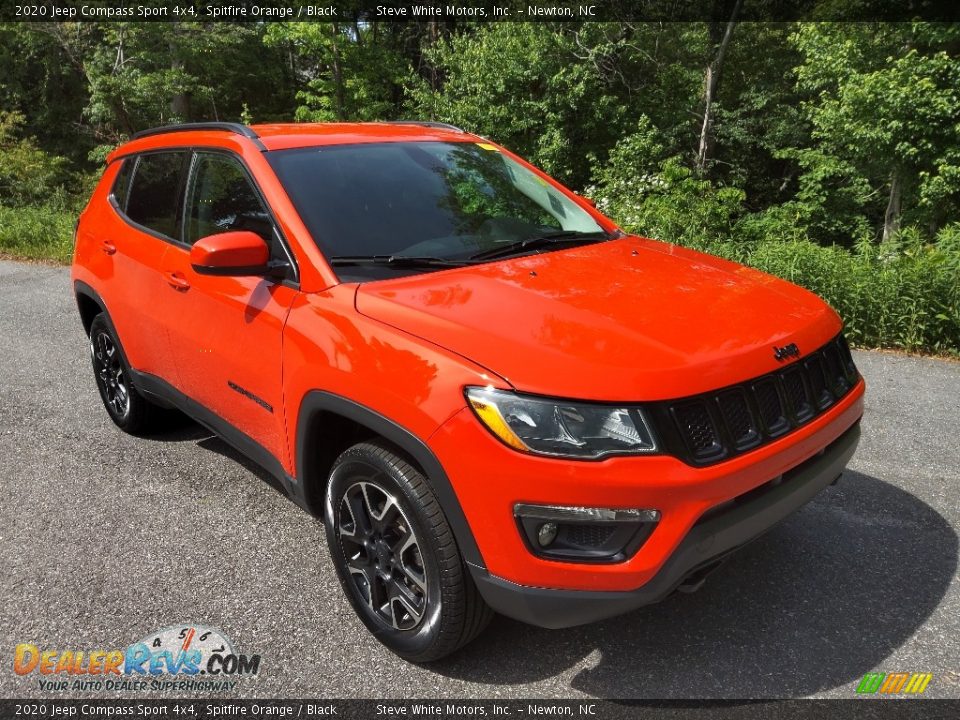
<point>894,683</point>
<point>180,657</point>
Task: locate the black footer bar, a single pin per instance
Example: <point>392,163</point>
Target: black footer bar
<point>586,709</point>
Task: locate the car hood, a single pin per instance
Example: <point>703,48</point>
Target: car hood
<point>629,319</point>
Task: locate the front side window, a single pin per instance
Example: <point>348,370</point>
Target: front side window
<point>221,199</point>
<point>154,193</point>
<point>448,201</point>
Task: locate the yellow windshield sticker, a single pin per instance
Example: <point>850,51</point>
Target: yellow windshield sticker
<point>487,146</point>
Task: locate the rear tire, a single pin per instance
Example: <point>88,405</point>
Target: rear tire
<point>396,557</point>
<point>129,410</point>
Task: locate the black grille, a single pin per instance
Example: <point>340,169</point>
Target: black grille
<point>714,426</point>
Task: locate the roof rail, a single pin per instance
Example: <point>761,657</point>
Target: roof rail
<point>237,128</point>
<point>425,123</point>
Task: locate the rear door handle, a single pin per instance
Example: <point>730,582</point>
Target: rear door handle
<point>177,281</point>
<point>108,247</point>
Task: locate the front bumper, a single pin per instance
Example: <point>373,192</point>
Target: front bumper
<point>719,533</point>
<point>489,479</point>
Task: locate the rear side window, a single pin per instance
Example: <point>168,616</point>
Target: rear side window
<point>153,197</point>
<point>121,185</point>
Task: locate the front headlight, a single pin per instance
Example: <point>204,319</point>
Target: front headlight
<point>557,427</point>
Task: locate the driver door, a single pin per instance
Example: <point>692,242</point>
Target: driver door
<point>227,332</point>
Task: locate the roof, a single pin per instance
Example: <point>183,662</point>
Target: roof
<point>279,136</point>
<point>289,135</point>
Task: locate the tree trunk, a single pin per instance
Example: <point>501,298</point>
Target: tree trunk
<point>434,34</point>
<point>358,36</point>
<point>180,102</point>
<point>337,72</point>
<point>891,218</point>
<point>710,84</point>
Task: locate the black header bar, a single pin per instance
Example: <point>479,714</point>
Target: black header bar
<point>475,10</point>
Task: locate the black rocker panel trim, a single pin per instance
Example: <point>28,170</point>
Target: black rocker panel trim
<point>319,401</point>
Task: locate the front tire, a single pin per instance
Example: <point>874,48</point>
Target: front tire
<point>396,556</point>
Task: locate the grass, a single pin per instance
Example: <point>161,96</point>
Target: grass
<point>901,298</point>
<point>37,232</point>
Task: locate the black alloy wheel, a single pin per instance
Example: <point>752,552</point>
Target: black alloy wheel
<point>111,380</point>
<point>383,555</point>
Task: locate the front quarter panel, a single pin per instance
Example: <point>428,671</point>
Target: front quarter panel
<point>329,346</point>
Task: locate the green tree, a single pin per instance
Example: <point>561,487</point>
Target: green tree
<point>41,83</point>
<point>344,71</point>
<point>885,112</point>
<point>27,173</point>
<point>137,75</point>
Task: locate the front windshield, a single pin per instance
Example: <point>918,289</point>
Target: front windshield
<point>449,201</point>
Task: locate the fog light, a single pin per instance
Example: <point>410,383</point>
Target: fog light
<point>546,534</point>
<point>584,534</point>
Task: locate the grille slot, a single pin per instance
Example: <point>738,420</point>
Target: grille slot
<point>771,409</point>
<point>836,377</point>
<point>847,358</point>
<point>822,397</point>
<point>739,419</point>
<point>795,390</point>
<point>710,427</point>
<point>698,430</point>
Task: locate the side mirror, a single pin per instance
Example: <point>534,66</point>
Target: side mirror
<point>231,253</point>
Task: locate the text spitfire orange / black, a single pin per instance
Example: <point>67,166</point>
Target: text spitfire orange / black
<point>497,400</point>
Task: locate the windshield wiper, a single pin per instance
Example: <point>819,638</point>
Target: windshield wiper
<point>561,236</point>
<point>396,261</point>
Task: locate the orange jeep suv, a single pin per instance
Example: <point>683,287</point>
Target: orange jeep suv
<point>496,399</point>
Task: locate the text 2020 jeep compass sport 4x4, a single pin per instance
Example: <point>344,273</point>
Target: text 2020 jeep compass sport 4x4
<point>496,398</point>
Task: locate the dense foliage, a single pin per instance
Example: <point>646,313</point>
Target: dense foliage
<point>827,153</point>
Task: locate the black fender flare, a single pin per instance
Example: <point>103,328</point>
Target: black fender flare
<point>81,288</point>
<point>317,402</point>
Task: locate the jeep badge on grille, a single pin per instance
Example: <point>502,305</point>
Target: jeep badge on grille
<point>786,352</point>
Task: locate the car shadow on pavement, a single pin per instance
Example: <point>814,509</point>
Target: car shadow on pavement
<point>183,429</point>
<point>215,444</point>
<point>811,606</point>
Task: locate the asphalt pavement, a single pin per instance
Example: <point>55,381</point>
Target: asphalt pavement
<point>105,538</point>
